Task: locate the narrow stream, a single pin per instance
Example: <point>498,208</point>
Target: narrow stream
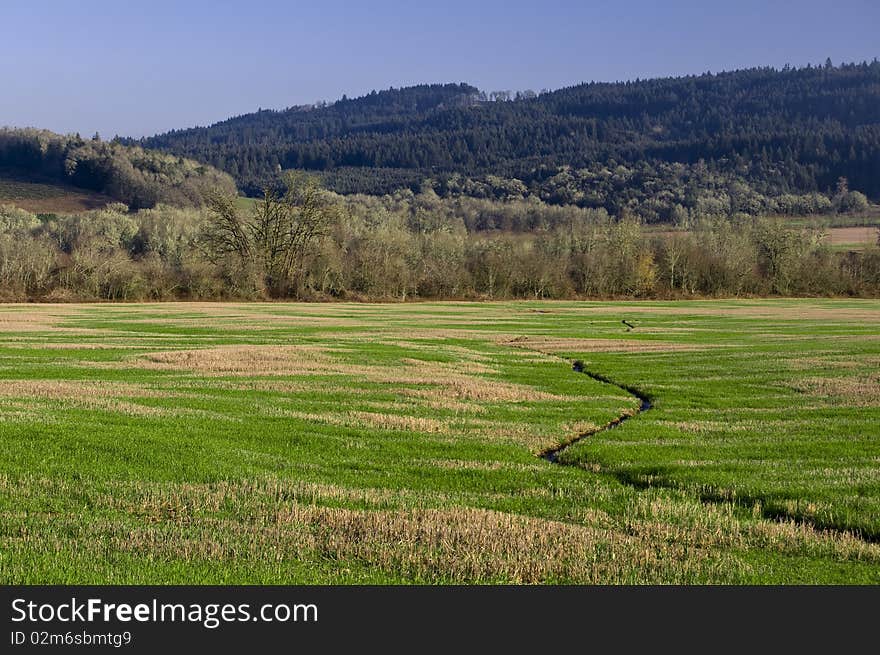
<point>552,454</point>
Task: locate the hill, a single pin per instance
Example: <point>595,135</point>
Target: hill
<point>647,145</point>
<point>130,174</point>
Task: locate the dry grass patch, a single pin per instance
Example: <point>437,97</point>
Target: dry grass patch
<point>49,198</point>
<point>242,360</point>
<point>32,396</point>
<point>763,310</point>
<point>376,420</point>
<point>436,399</point>
<point>156,501</point>
<point>661,539</point>
<point>446,382</point>
<point>567,344</point>
<point>688,522</point>
<point>397,422</point>
<point>35,411</point>
<point>479,545</point>
<point>247,322</point>
<point>535,438</point>
<point>810,363</point>
<point>13,318</point>
<point>442,334</point>
<point>580,428</point>
<point>467,367</point>
<point>78,390</point>
<point>35,318</point>
<point>852,235</point>
<point>262,385</point>
<point>461,545</point>
<point>474,465</point>
<point>859,391</point>
<point>461,387</point>
<point>699,427</point>
<point>76,345</point>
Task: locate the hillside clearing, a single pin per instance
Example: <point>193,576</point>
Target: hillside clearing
<point>43,198</point>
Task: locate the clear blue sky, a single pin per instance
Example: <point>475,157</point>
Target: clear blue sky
<point>137,68</point>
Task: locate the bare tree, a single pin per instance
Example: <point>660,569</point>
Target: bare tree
<point>277,237</point>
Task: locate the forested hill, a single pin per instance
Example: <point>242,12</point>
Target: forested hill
<point>649,144</point>
<point>137,177</point>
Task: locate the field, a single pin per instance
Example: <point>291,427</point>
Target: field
<point>42,198</point>
<point>354,443</point>
<point>842,232</point>
<point>852,238</point>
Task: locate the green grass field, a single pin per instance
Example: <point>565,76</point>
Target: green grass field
<point>353,443</point>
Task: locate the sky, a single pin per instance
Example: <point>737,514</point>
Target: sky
<point>143,67</point>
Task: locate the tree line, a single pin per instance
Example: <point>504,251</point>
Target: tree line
<point>308,243</point>
<point>647,145</point>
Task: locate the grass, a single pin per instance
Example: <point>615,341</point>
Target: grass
<point>245,204</point>
<point>841,232</point>
<point>318,443</point>
<point>40,198</point>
